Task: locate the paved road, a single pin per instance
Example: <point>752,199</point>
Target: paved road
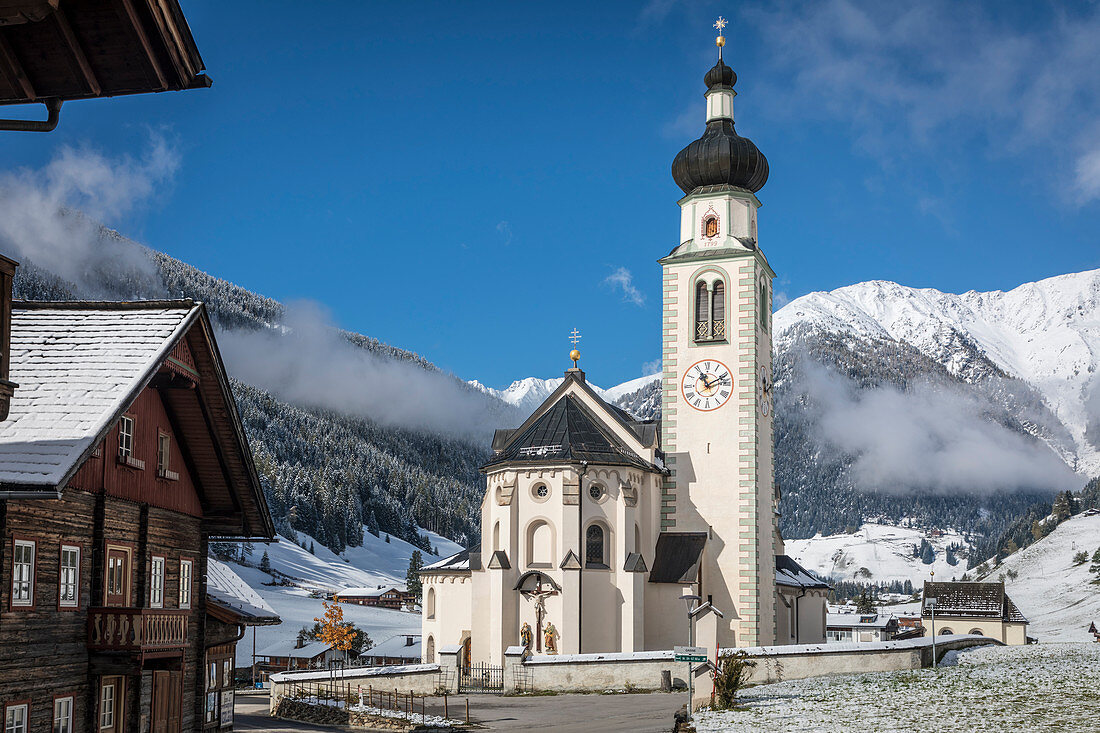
<point>650,713</point>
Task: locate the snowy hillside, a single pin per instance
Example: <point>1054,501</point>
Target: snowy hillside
<point>1056,596</point>
<point>879,553</point>
<point>1046,333</point>
<point>307,574</point>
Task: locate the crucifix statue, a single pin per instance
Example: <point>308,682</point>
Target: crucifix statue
<point>539,594</point>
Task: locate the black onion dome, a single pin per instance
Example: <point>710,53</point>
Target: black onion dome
<point>720,75</point>
<point>720,157</point>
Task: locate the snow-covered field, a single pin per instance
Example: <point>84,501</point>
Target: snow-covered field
<point>376,562</point>
<point>1056,596</point>
<point>1049,687</point>
<point>885,551</point>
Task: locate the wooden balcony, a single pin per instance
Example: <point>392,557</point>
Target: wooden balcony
<point>137,629</point>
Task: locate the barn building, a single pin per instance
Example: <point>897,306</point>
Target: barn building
<point>121,456</point>
<point>975,608</point>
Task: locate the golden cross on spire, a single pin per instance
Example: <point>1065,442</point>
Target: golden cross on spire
<point>575,355</point>
<point>720,24</point>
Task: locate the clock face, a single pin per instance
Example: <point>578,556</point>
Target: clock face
<point>764,391</point>
<point>707,385</point>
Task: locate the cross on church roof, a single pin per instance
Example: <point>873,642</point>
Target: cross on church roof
<point>575,336</point>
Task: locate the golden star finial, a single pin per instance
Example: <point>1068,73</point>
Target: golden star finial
<point>720,24</point>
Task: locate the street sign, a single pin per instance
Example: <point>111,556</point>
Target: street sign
<point>690,653</point>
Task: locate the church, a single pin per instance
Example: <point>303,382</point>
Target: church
<point>597,528</point>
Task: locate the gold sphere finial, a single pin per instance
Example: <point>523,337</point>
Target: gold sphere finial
<point>720,41</point>
<point>575,355</point>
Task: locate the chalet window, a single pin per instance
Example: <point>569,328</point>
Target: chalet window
<point>211,707</point>
<point>186,571</point>
<point>164,456</point>
<point>594,547</point>
<point>63,714</point>
<point>125,437</point>
<point>22,573</point>
<point>156,582</point>
<point>117,585</point>
<point>68,577</point>
<point>110,695</point>
<point>15,718</point>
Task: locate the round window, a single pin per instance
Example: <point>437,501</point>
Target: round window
<point>595,491</point>
<point>542,491</point>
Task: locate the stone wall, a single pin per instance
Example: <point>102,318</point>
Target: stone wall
<point>644,670</point>
<point>421,679</point>
<point>329,715</point>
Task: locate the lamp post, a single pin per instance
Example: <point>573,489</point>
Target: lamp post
<point>930,603</point>
<point>690,599</point>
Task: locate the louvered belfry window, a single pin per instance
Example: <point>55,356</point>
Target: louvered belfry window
<point>702,312</point>
<point>718,311</point>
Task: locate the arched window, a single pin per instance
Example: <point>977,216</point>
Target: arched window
<point>637,539</point>
<point>763,306</point>
<point>429,650</point>
<point>977,632</point>
<point>594,547</point>
<point>540,545</point>
<point>718,311</point>
<point>429,603</point>
<point>946,632</point>
<point>702,312</point>
<point>496,537</point>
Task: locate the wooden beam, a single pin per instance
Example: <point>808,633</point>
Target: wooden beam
<point>78,53</point>
<point>11,67</point>
<point>147,47</point>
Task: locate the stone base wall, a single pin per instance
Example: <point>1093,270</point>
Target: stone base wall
<point>643,671</point>
<point>420,679</point>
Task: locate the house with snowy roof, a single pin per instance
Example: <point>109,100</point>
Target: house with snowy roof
<point>384,596</point>
<point>974,608</point>
<point>400,649</point>
<point>861,627</point>
<point>299,653</point>
<point>121,454</point>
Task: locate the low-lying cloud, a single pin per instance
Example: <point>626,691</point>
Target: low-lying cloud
<point>929,437</point>
<point>54,215</point>
<point>308,362</point>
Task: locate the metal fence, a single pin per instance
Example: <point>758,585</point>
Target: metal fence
<point>353,697</point>
<point>481,678</point>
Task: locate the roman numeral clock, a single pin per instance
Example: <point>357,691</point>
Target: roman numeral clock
<point>707,385</point>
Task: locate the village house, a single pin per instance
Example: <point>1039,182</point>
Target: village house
<point>384,596</point>
<point>285,656</point>
<point>121,455</point>
<point>400,649</point>
<point>975,608</point>
<point>861,627</point>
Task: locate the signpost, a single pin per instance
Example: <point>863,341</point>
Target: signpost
<point>930,604</point>
<point>690,654</point>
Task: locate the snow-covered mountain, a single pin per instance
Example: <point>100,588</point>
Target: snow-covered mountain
<point>1055,595</point>
<point>1045,333</point>
<point>527,394</point>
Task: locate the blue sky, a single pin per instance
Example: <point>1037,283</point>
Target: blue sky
<point>472,180</point>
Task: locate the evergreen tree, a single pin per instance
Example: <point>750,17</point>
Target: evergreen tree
<point>265,563</point>
<point>412,575</point>
<point>927,554</point>
<point>864,604</point>
<point>312,549</point>
<point>387,539</point>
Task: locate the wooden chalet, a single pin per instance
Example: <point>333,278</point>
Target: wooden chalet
<point>384,596</point>
<point>121,456</point>
<point>400,649</point>
<point>52,51</point>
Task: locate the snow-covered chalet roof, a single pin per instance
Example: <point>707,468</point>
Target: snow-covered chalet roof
<point>77,368</point>
<point>227,589</point>
<point>859,620</point>
<point>397,647</point>
<point>972,600</point>
<point>309,650</point>
<point>368,592</point>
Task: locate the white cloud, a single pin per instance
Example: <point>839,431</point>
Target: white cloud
<point>504,229</point>
<point>928,437</point>
<point>621,279</point>
<point>652,367</point>
<point>1088,176</point>
<point>940,76</point>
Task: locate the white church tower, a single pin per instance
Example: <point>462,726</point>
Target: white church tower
<point>716,427</point>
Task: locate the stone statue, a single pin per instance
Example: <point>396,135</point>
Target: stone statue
<point>551,642</point>
<point>525,636</point>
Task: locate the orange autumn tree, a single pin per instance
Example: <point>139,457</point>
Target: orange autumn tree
<point>336,632</point>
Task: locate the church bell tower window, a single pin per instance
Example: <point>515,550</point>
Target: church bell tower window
<point>710,311</point>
